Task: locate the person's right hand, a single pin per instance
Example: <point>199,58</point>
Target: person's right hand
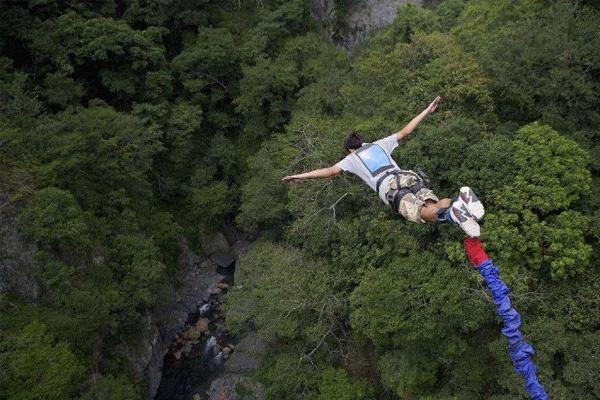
<point>292,178</point>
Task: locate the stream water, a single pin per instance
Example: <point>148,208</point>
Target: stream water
<point>191,365</point>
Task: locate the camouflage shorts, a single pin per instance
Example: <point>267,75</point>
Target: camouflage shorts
<point>411,203</point>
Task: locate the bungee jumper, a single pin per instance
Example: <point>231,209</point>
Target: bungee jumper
<point>406,192</point>
<point>518,350</point>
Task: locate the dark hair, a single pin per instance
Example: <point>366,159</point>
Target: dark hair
<point>353,142</point>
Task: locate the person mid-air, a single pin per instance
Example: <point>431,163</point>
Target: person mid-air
<point>405,191</point>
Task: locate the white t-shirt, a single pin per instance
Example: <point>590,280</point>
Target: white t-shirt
<point>372,161</point>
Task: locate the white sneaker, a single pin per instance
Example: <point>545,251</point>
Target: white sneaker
<point>461,215</point>
<point>470,200</point>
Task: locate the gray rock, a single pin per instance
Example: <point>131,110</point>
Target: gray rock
<point>16,255</point>
<point>195,259</point>
<point>186,349</point>
<point>214,243</point>
<point>170,317</point>
<point>206,264</point>
<point>240,247</point>
<point>231,234</point>
<point>246,356</point>
<point>223,259</point>
<point>216,247</point>
<point>241,363</point>
<point>235,387</point>
<point>360,21</point>
<point>226,352</point>
<point>252,344</point>
<point>147,358</point>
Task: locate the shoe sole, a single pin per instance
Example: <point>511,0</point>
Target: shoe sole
<point>469,198</point>
<point>467,223</point>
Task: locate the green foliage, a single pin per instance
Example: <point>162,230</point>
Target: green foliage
<point>53,219</point>
<point>414,298</point>
<point>77,305</point>
<point>296,305</point>
<point>264,187</point>
<point>176,15</point>
<point>337,385</point>
<point>288,379</point>
<point>368,243</point>
<point>179,128</point>
<point>550,171</point>
<point>424,317</point>
<point>539,68</point>
<point>19,106</point>
<point>111,388</point>
<point>129,64</point>
<point>384,91</point>
<point>271,81</point>
<point>96,152</point>
<point>404,372</point>
<point>62,90</point>
<point>211,203</point>
<point>34,366</point>
<point>136,262</point>
<point>532,224</point>
<point>209,68</point>
<point>125,124</point>
<point>304,308</point>
<point>274,82</point>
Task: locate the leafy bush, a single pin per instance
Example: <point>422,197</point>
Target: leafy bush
<point>53,219</point>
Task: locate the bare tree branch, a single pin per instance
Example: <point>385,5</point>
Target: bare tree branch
<point>309,355</point>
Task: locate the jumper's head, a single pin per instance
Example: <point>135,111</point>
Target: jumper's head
<point>353,142</point>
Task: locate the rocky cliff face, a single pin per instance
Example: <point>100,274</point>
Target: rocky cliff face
<point>16,256</point>
<point>355,21</point>
<point>199,277</point>
<point>174,330</point>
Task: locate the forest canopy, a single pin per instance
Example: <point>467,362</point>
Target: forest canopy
<point>127,125</point>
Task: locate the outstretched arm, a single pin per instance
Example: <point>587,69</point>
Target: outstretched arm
<point>417,120</point>
<point>314,174</point>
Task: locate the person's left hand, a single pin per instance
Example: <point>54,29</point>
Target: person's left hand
<point>292,178</point>
<point>434,105</point>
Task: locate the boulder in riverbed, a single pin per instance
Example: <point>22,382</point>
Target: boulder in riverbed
<point>226,352</point>
<point>213,243</point>
<point>195,331</point>
<point>202,324</point>
<point>216,247</point>
<point>223,259</point>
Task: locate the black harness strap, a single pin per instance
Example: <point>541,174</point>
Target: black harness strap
<point>382,178</point>
<point>420,176</point>
<point>394,200</point>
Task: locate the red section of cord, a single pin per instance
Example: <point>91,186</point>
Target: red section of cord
<point>474,250</point>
